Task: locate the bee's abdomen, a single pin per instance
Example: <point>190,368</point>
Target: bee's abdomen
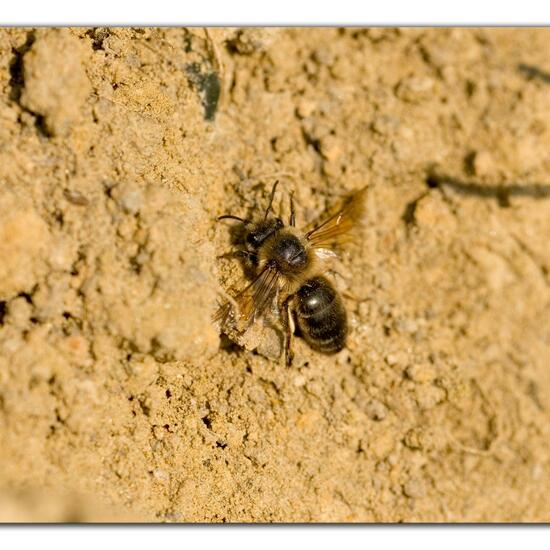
<point>321,316</point>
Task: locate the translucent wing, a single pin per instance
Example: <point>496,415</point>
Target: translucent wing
<point>336,230</point>
<point>251,302</point>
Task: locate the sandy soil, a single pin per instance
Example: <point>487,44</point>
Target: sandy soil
<point>118,149</point>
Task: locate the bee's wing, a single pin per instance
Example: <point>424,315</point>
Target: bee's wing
<point>252,302</point>
<point>336,230</point>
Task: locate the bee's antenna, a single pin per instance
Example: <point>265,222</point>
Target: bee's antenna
<point>292,211</point>
<point>271,199</point>
<point>231,217</point>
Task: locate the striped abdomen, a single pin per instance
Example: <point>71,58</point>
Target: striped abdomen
<point>321,316</point>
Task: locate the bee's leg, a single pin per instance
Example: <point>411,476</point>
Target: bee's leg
<point>249,259</point>
<point>245,254</point>
<point>292,221</point>
<point>286,315</point>
<point>237,254</point>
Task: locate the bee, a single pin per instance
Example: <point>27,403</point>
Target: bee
<point>289,268</point>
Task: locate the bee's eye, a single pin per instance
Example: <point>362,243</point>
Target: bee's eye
<point>262,231</point>
<point>253,239</point>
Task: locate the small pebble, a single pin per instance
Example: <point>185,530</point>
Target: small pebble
<point>413,439</point>
<point>481,163</point>
<point>385,125</point>
<point>330,148</point>
<point>376,410</point>
<point>19,312</point>
<point>423,372</point>
<point>160,474</point>
<point>129,197</point>
<point>414,488</point>
<point>415,89</point>
<point>399,358</point>
<point>75,197</point>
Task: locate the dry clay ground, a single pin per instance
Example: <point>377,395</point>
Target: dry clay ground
<point>119,147</point>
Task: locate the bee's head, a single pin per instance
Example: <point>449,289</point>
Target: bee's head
<point>259,232</point>
<point>255,234</point>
